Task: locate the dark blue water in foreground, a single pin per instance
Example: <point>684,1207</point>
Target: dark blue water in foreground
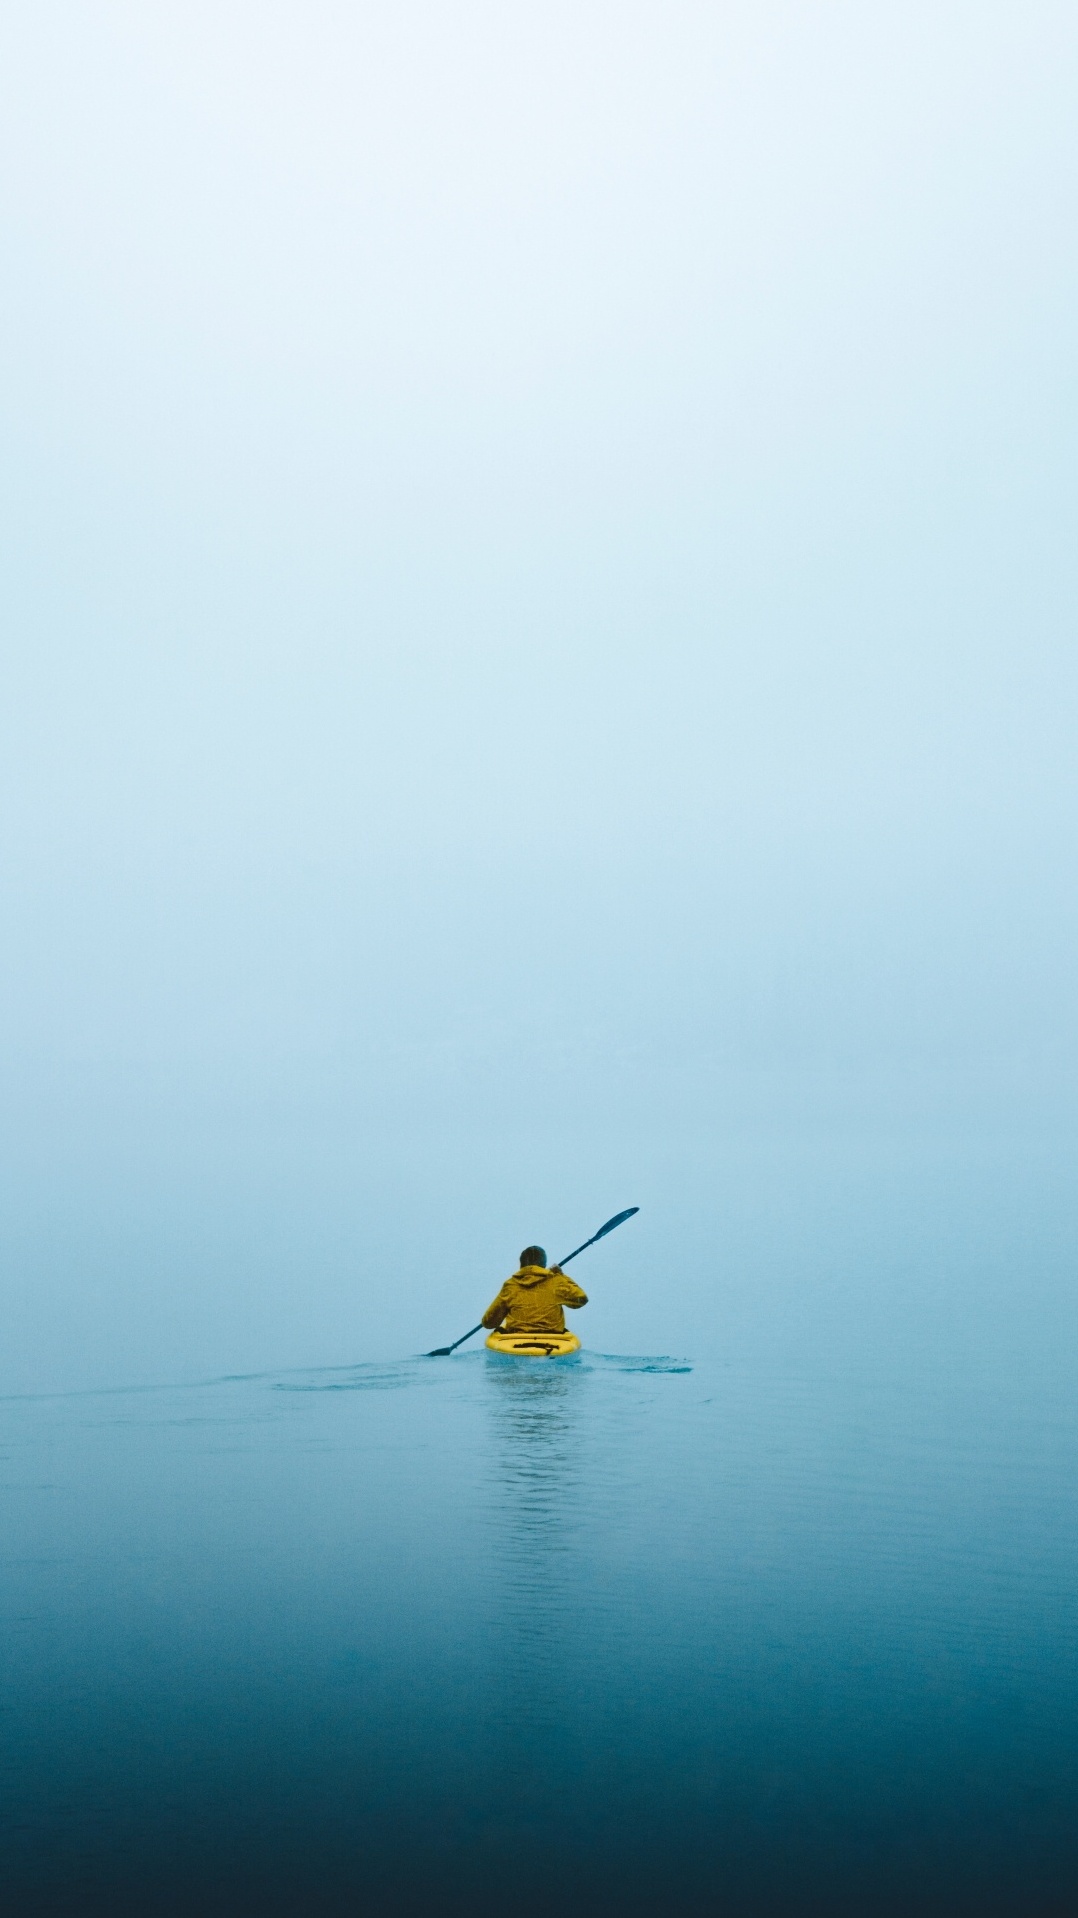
<point>623,1635</point>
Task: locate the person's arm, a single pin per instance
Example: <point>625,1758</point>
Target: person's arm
<point>496,1312</point>
<point>569,1292</point>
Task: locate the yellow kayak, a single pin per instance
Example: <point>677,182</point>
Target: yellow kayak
<point>534,1345</point>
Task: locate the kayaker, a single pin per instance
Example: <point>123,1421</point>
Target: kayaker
<point>532,1300</point>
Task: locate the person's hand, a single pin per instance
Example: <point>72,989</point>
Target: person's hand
<point>558,1270</point>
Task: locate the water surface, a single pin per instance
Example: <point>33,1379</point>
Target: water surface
<point>616,1635</point>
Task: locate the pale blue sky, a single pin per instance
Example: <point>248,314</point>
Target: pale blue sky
<point>539,598</point>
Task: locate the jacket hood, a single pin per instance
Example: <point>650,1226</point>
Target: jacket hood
<point>532,1274</point>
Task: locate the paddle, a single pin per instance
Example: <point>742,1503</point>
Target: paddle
<point>443,1351</point>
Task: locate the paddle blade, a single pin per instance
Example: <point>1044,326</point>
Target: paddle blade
<point>618,1219</point>
<point>447,1351</point>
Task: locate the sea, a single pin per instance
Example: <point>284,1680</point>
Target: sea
<point>660,1631</point>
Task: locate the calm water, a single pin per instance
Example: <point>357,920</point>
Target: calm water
<point>622,1635</point>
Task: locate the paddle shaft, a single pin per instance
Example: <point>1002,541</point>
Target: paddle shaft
<point>444,1351</point>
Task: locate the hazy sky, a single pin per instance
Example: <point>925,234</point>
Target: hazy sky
<point>539,555</point>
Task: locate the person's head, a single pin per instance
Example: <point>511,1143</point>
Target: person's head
<point>533,1255</point>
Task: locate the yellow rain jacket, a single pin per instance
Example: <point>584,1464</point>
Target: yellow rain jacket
<point>532,1300</point>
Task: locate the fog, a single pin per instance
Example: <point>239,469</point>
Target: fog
<point>538,671</point>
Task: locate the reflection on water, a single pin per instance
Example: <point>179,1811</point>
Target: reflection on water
<point>538,1460</point>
